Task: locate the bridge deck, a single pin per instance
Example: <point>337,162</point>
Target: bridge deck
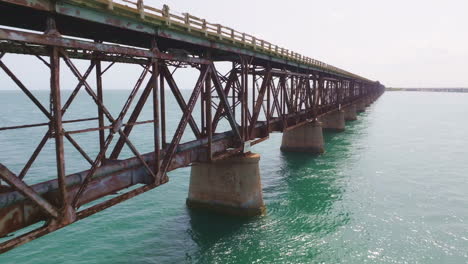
<point>126,24</point>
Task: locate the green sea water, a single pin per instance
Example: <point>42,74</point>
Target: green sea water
<point>392,188</point>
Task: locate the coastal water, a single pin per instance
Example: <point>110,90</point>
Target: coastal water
<point>392,188</point>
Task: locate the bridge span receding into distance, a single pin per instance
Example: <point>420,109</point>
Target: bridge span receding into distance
<point>266,89</point>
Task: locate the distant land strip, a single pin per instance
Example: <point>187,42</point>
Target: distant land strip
<point>446,90</point>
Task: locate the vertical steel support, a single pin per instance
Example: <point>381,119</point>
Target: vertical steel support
<point>282,97</point>
<point>243,91</point>
<point>233,96</point>
<point>163,113</point>
<point>209,121</point>
<point>202,111</point>
<point>320,93</point>
<point>157,147</point>
<point>254,88</point>
<point>57,126</point>
<point>268,116</point>
<point>339,91</point>
<point>291,95</point>
<point>100,99</point>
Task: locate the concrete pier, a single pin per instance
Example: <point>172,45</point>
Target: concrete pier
<point>368,101</point>
<point>307,138</point>
<point>350,113</point>
<point>230,186</point>
<point>334,121</point>
<point>360,106</point>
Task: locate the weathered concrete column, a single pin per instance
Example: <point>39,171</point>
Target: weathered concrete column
<point>230,186</point>
<point>307,138</point>
<point>350,113</point>
<point>368,101</point>
<point>334,121</point>
<point>360,106</point>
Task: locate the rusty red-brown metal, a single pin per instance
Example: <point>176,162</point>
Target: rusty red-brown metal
<point>256,96</point>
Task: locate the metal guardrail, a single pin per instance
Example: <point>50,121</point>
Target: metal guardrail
<point>196,24</point>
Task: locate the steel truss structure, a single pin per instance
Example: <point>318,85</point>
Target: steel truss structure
<point>254,98</point>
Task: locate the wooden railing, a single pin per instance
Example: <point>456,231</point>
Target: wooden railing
<point>193,23</point>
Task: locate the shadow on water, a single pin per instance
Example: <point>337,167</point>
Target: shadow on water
<point>207,228</point>
<point>216,235</point>
<point>314,185</point>
<point>302,195</point>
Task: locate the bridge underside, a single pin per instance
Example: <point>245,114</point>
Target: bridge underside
<point>240,105</point>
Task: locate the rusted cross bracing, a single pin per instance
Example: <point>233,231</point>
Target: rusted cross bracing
<point>266,89</point>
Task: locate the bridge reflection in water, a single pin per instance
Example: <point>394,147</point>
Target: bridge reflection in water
<point>303,194</point>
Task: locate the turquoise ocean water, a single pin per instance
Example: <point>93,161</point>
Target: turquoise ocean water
<point>392,188</point>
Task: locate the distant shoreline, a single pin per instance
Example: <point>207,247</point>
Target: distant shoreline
<point>440,90</point>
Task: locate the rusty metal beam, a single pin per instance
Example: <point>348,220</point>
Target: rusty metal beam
<point>169,154</point>
<point>40,39</point>
<point>179,98</point>
<point>259,101</point>
<point>24,189</point>
<point>225,103</point>
<point>58,131</point>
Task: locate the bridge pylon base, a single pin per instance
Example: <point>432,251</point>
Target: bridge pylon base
<point>334,121</point>
<point>350,113</point>
<point>229,186</point>
<point>361,106</point>
<point>368,101</point>
<point>307,138</point>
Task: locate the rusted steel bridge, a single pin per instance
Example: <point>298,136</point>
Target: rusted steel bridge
<point>266,89</point>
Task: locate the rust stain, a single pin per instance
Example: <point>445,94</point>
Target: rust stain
<point>32,4</point>
<point>64,10</point>
<point>114,21</point>
<point>10,219</point>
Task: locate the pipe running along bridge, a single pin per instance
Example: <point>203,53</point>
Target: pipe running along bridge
<point>266,89</point>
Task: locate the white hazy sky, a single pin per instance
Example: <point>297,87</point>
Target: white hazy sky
<point>401,43</point>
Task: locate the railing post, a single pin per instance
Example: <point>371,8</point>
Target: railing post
<point>141,8</point>
<point>204,27</point>
<point>166,15</point>
<point>110,4</point>
<point>187,21</point>
<point>219,32</point>
<point>232,35</point>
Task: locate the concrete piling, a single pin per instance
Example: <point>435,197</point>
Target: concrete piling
<point>360,106</point>
<point>350,113</point>
<point>230,186</point>
<point>307,138</point>
<point>334,121</point>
